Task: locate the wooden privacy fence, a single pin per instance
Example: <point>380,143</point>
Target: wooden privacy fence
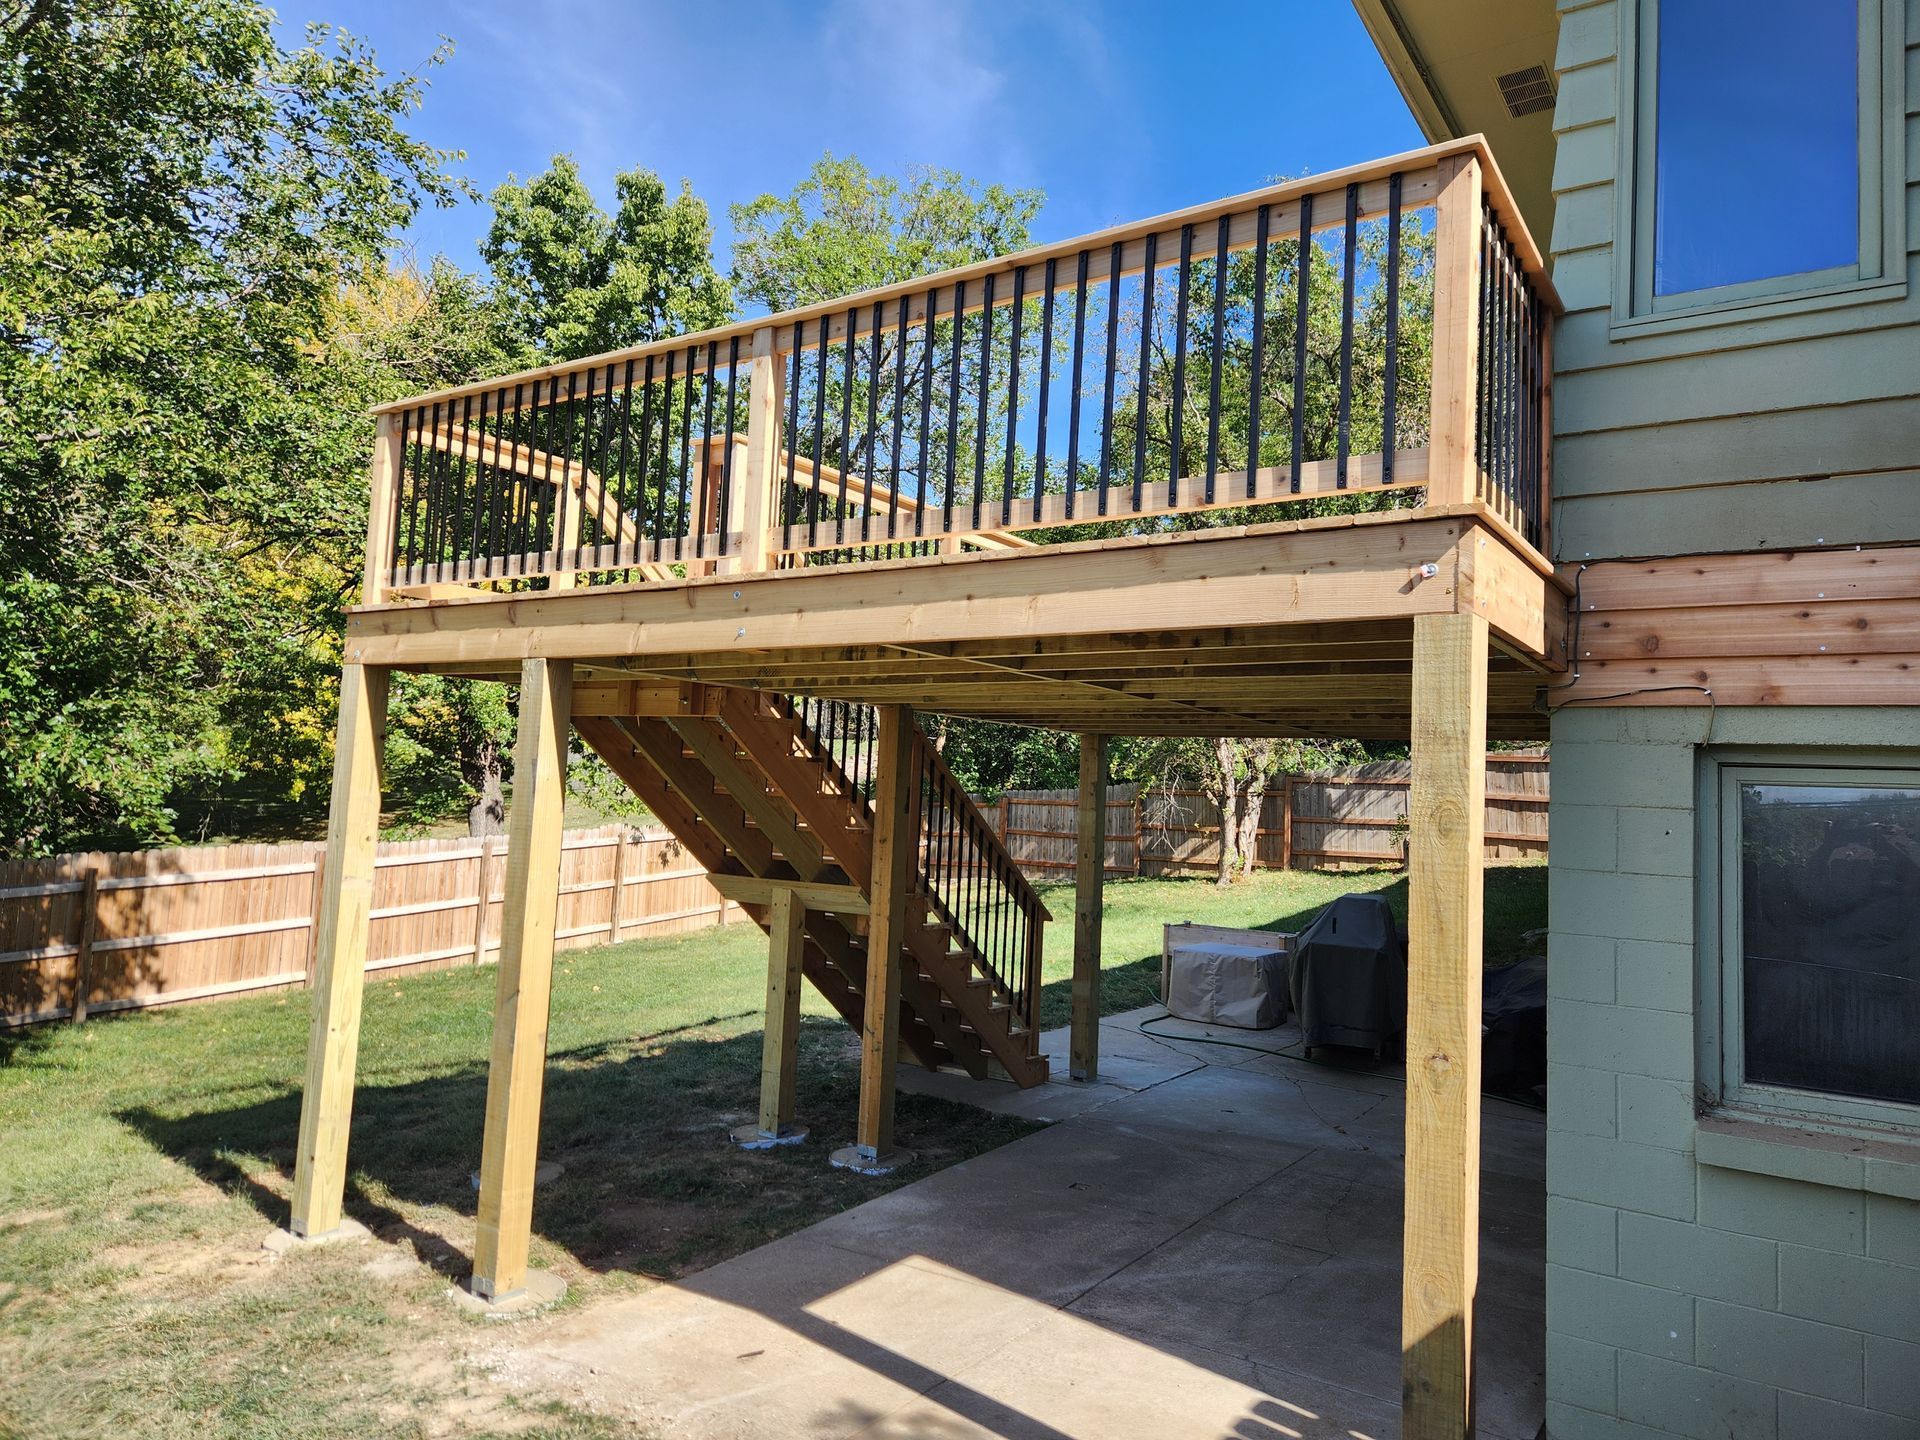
<point>117,931</point>
<point>1348,817</point>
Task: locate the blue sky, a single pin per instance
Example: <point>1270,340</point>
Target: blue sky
<point>1116,110</point>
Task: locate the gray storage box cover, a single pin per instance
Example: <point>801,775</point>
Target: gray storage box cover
<point>1219,983</point>
<point>1348,976</point>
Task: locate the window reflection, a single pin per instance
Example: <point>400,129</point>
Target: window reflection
<point>1757,168</point>
<point>1830,935</point>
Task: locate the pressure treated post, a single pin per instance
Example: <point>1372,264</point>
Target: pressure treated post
<point>780,1050</point>
<point>340,950</point>
<point>383,503</point>
<point>893,845</point>
<point>1446,827</point>
<point>518,1065</point>
<point>1090,866</point>
<point>755,501</point>
<point>1453,472</point>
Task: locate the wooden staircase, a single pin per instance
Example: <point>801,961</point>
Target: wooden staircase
<point>772,789</point>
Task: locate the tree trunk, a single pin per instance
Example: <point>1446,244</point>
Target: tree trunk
<point>488,816</point>
<point>1229,802</point>
<point>1252,801</point>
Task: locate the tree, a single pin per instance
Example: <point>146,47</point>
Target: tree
<point>181,201</point>
<point>576,281</point>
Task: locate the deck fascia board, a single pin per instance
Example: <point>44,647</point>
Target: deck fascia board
<point>1333,570</point>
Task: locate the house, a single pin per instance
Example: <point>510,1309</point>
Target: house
<point>1639,492</point>
<point>1733,196</point>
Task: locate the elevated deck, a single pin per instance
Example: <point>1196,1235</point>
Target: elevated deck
<point>1273,466</point>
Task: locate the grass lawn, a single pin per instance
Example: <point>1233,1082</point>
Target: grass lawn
<point>142,1158</point>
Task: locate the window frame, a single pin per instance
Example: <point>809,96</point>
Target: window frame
<point>1880,273</point>
<point>1723,1083</point>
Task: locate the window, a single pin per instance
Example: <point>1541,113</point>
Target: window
<point>1819,953</point>
<point>1759,151</point>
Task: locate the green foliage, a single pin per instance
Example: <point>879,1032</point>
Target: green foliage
<point>181,199</point>
<point>845,229</point>
<point>577,281</point>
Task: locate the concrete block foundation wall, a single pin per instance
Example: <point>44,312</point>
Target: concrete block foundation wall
<point>1686,1298</point>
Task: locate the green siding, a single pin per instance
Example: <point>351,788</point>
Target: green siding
<point>1673,442</point>
<point>1684,1298</point>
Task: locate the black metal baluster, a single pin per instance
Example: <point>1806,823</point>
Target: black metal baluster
<point>643,467</point>
<point>871,475</point>
<point>683,522</point>
<point>1046,388</point>
<point>1219,353</point>
<point>548,430</point>
<point>790,441</point>
<point>1079,358</point>
<point>1303,285</point>
<point>586,463</point>
<point>1018,311</point>
<point>725,506</point>
<point>462,488</point>
<point>926,419</point>
<point>899,416</point>
<point>1144,385</point>
<point>485,479</point>
<point>1390,399</point>
<point>521,496</point>
<point>1113,364</point>
<point>703,503</point>
<point>953,404</point>
<point>1257,370</point>
<point>622,547</point>
<point>1343,442</point>
<point>980,422</point>
<point>817,495</point>
<point>420,492</point>
<point>566,537</point>
<point>660,464</point>
<point>846,426</point>
<point>1176,438</point>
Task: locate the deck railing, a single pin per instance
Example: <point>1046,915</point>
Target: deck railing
<point>1379,333</point>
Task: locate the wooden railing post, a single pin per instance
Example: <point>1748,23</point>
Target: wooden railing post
<point>383,505</point>
<point>754,506</point>
<point>1452,469</point>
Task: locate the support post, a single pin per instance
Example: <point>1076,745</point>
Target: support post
<point>1453,472</point>
<point>893,845</point>
<point>485,908</point>
<point>383,504</point>
<point>346,903</point>
<point>780,1051</point>
<point>517,1068</point>
<point>1090,867</point>
<point>1446,816</point>
<point>755,501</point>
<point>83,952</point>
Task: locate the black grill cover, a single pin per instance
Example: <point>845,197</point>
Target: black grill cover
<point>1348,976</point>
<point>1514,1017</point>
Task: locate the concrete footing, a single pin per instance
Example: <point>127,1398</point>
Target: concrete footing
<point>283,1240</point>
<point>541,1289</point>
<point>752,1137</point>
<point>863,1162</point>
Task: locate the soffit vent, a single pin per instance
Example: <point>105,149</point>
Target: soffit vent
<point>1527,92</point>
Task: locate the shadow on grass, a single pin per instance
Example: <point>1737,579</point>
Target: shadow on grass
<point>651,1183</point>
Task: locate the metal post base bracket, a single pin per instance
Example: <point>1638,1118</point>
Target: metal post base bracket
<point>284,1241</point>
<point>540,1289</point>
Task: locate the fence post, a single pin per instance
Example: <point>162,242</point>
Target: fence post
<point>619,886</point>
<point>1136,831</point>
<point>485,900</point>
<point>1286,823</point>
<point>83,952</point>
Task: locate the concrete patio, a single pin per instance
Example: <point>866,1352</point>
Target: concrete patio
<point>1206,1245</point>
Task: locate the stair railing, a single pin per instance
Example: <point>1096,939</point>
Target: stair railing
<point>843,737</point>
<point>973,885</point>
